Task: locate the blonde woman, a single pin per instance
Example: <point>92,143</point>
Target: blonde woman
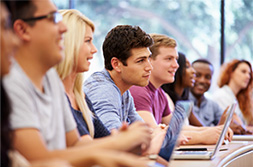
<point>79,49</point>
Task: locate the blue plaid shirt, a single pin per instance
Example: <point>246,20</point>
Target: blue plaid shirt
<point>109,105</point>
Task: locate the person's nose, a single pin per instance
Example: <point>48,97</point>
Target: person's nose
<point>62,27</point>
<point>93,49</point>
<point>175,64</point>
<point>149,66</point>
<point>200,79</point>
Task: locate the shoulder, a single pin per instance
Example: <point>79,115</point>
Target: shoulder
<point>96,79</point>
<point>98,86</point>
<point>139,91</point>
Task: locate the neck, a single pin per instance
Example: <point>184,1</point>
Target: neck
<point>119,82</point>
<point>198,98</point>
<point>235,89</point>
<point>179,90</point>
<point>32,67</point>
<point>155,82</point>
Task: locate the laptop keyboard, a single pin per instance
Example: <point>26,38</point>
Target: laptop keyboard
<point>193,152</point>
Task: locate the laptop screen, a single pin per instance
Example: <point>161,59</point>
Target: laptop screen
<point>182,110</point>
<point>225,128</point>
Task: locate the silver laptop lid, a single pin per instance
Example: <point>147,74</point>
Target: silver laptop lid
<point>182,110</point>
<point>230,112</point>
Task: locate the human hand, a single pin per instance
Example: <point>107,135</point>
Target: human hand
<point>229,135</point>
<point>223,117</point>
<point>237,128</point>
<point>183,139</point>
<point>157,139</point>
<point>123,127</point>
<point>136,134</point>
<point>211,134</point>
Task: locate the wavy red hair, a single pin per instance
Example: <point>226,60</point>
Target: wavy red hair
<point>244,97</point>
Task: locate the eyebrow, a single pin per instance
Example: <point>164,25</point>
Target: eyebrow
<point>143,57</point>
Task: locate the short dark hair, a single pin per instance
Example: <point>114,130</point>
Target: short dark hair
<point>202,61</point>
<point>120,40</point>
<point>21,9</point>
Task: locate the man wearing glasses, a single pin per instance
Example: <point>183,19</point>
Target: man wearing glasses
<point>41,119</point>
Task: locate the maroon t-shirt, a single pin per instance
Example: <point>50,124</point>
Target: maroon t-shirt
<point>149,98</point>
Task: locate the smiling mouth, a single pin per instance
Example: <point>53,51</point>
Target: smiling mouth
<point>172,73</point>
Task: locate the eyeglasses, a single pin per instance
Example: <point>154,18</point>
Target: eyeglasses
<point>55,17</point>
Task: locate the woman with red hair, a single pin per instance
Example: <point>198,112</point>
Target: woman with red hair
<point>236,84</point>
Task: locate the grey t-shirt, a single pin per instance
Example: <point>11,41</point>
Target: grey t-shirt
<point>48,112</point>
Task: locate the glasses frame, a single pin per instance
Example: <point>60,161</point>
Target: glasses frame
<point>57,17</point>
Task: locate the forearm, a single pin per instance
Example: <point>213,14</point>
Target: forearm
<point>76,156</point>
<point>196,137</point>
<point>192,128</point>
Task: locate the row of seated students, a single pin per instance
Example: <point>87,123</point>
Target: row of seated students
<point>42,127</point>
<point>191,82</point>
<point>37,126</point>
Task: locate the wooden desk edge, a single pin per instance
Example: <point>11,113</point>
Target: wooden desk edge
<point>236,153</point>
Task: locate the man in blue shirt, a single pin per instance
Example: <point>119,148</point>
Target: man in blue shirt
<point>207,110</point>
<point>126,56</point>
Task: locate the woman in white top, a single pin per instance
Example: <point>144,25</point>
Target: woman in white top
<point>236,84</point>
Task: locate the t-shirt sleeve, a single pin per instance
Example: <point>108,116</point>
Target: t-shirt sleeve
<point>23,108</point>
<point>106,103</point>
<point>69,121</point>
<point>142,99</point>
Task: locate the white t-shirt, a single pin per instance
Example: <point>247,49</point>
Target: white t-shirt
<point>48,112</point>
<point>224,96</point>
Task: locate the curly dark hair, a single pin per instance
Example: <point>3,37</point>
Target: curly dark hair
<point>120,40</point>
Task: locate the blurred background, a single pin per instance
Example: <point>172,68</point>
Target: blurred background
<point>219,30</point>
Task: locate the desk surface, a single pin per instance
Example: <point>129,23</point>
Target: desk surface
<point>234,150</point>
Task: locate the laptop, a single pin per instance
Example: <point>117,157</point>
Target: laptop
<point>182,111</point>
<point>242,138</point>
<point>194,153</point>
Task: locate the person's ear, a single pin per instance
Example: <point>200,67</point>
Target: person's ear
<point>21,28</point>
<point>116,64</point>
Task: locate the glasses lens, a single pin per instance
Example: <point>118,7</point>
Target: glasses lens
<point>57,17</point>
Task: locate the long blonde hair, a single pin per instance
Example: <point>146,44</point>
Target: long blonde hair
<point>73,39</point>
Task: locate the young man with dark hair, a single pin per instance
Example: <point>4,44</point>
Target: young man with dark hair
<point>151,102</point>
<point>126,54</point>
<point>42,123</point>
<point>207,110</point>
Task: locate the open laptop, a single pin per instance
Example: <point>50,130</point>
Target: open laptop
<point>205,154</point>
<point>242,138</point>
<point>182,111</point>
